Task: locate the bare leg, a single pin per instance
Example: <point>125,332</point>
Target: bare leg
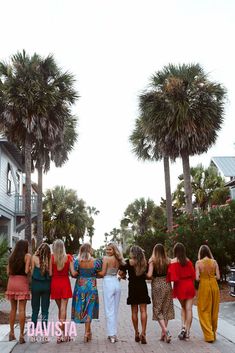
<point>183,311</point>
<point>143,315</point>
<point>63,312</point>
<point>163,326</point>
<point>189,314</point>
<point>22,305</point>
<point>13,316</point>
<point>134,316</point>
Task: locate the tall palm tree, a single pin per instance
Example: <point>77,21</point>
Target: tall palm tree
<point>147,147</point>
<point>36,101</point>
<point>183,109</point>
<point>43,153</point>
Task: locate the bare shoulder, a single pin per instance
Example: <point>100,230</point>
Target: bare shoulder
<point>173,261</point>
<point>27,256</point>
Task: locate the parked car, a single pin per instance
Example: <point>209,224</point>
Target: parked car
<point>231,281</point>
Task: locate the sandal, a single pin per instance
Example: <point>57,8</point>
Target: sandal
<point>12,337</point>
<point>143,339</point>
<point>167,337</point>
<point>137,337</point>
<point>182,334</point>
<point>22,340</point>
<point>59,339</point>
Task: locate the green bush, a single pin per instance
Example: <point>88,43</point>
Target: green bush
<point>3,262</point>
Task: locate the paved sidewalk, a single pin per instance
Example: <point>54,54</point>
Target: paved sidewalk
<point>126,343</point>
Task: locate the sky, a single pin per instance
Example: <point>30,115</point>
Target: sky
<point>112,48</point>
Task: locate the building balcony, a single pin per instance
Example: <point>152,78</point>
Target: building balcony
<point>20,205</point>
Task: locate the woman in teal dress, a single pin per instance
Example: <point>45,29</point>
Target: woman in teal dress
<point>85,304</point>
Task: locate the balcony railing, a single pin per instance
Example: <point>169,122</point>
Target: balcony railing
<point>20,204</point>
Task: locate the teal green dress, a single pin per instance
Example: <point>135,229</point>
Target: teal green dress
<point>85,304</point>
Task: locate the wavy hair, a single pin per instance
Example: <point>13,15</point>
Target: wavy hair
<point>160,259</point>
<point>139,260</point>
<point>44,255</point>
<point>59,253</point>
<point>85,252</point>
<point>16,260</point>
<point>117,253</point>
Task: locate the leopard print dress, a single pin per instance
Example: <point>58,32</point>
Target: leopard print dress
<point>163,308</point>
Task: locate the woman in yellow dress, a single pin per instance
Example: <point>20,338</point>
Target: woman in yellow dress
<point>207,272</point>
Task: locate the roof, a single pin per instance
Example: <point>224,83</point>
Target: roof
<point>13,150</point>
<point>225,164</point>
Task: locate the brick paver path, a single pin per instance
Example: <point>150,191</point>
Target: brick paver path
<point>126,343</point>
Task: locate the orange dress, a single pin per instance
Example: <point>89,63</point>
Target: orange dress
<point>60,282</point>
<point>208,299</point>
<point>183,278</point>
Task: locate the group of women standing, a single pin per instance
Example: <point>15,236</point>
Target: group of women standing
<point>50,280</point>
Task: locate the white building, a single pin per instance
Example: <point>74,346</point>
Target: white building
<point>226,168</point>
<point>12,193</point>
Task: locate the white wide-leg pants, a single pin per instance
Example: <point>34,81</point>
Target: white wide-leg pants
<point>112,294</point>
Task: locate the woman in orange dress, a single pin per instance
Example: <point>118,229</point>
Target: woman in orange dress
<point>182,273</point>
<point>207,272</point>
<point>60,266</point>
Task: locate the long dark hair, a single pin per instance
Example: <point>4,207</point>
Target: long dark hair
<point>160,259</point>
<point>16,260</point>
<point>180,253</point>
<point>44,254</point>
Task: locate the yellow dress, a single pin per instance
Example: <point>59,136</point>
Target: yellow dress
<point>208,299</point>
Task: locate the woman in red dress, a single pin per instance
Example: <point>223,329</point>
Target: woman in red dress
<point>181,272</point>
<point>61,266</point>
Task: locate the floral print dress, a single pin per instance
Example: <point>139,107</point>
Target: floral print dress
<point>85,304</point>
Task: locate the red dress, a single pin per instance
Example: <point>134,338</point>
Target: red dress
<point>60,282</point>
<point>183,278</point>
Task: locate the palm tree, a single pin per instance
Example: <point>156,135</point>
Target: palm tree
<point>57,151</point>
<point>36,101</point>
<point>147,147</point>
<point>183,110</point>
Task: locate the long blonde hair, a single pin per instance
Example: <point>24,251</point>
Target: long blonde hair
<point>160,259</point>
<point>139,260</point>
<point>59,252</point>
<point>44,255</point>
<point>116,253</point>
<point>85,252</point>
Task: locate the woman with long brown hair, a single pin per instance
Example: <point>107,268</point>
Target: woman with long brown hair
<point>85,305</point>
<point>41,283</point>
<point>111,288</point>
<point>138,296</point>
<point>163,308</point>
<point>182,273</point>
<point>207,273</point>
<point>18,286</point>
<point>60,267</point>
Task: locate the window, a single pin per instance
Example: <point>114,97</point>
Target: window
<point>9,179</point>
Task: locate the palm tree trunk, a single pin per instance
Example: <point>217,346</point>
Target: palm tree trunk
<point>187,183</point>
<point>39,206</point>
<point>28,223</point>
<point>169,213</point>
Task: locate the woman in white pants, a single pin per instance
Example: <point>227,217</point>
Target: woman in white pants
<point>111,288</point>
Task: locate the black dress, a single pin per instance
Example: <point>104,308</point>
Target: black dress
<point>137,288</point>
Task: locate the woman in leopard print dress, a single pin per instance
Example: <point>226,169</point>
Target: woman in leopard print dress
<point>163,309</point>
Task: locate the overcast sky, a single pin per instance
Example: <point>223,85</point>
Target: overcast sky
<point>112,48</point>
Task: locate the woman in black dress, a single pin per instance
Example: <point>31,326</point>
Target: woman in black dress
<point>138,296</point>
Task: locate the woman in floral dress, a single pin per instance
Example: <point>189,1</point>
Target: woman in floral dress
<point>85,304</point>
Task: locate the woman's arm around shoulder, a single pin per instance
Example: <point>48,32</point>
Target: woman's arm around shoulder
<point>71,266</point>
<point>102,273</point>
<point>149,274</point>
